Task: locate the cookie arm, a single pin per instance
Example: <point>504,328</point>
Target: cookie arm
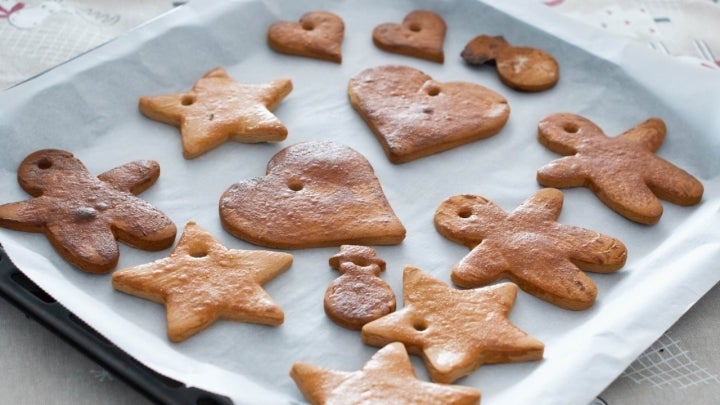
<point>141,225</point>
<point>22,216</point>
<point>134,177</point>
<point>545,204</point>
<point>592,251</point>
<point>568,171</point>
<point>649,134</point>
<point>483,265</point>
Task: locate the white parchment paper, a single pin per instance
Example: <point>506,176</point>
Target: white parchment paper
<point>89,107</point>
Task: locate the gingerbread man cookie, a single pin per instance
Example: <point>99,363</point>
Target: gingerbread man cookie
<point>359,295</point>
<point>202,281</point>
<point>387,378</point>
<point>519,67</point>
<point>455,331</point>
<point>421,35</point>
<point>318,34</point>
<point>529,247</point>
<point>623,172</point>
<point>218,109</point>
<point>83,215</point>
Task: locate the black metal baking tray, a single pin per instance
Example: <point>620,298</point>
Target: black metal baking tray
<point>17,289</point>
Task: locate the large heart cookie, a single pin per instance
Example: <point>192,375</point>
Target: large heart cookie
<point>318,34</point>
<point>420,35</point>
<point>314,194</point>
<point>414,116</point>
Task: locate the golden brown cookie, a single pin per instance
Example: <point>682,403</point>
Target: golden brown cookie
<point>318,34</point>
<point>359,295</point>
<point>455,331</point>
<point>314,194</point>
<point>529,247</point>
<point>414,116</point>
<point>519,67</point>
<point>421,35</point>
<point>622,171</point>
<point>83,215</point>
<point>202,281</point>
<point>387,378</point>
<point>218,109</point>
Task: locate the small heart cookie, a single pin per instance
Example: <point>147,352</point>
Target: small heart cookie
<point>420,35</point>
<point>318,34</point>
<point>413,115</point>
<point>315,194</point>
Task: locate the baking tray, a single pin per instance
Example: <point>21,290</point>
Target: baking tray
<point>89,107</point>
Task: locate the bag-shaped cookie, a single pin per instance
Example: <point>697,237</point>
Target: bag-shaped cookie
<point>414,116</point>
<point>83,215</point>
<point>314,194</point>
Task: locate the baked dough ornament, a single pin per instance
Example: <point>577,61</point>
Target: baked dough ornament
<point>421,35</point>
<point>359,295</point>
<point>622,171</point>
<point>529,247</point>
<point>318,34</point>
<point>202,281</point>
<point>82,215</point>
<point>414,116</point>
<point>519,67</point>
<point>218,109</point>
<point>314,194</point>
<point>387,378</point>
<point>455,331</point>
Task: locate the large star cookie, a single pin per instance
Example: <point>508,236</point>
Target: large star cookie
<point>202,281</point>
<point>623,172</point>
<point>414,116</point>
<point>455,331</point>
<point>529,247</point>
<point>83,215</point>
<point>315,194</point>
<point>218,109</point>
<point>387,378</point>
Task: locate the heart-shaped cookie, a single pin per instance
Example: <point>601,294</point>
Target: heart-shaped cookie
<point>318,34</point>
<point>314,194</point>
<point>414,116</point>
<point>420,35</point>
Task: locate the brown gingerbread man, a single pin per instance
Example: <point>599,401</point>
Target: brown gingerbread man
<point>83,215</point>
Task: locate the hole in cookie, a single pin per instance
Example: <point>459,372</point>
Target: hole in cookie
<point>187,99</point>
<point>308,26</point>
<point>420,325</point>
<point>465,212</point>
<point>295,185</point>
<point>433,91</point>
<point>415,27</point>
<point>571,127</point>
<point>198,253</point>
<point>44,163</point>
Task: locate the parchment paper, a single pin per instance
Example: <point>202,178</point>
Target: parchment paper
<point>89,107</point>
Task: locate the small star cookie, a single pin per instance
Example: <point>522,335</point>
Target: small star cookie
<point>387,378</point>
<point>455,331</point>
<point>83,215</point>
<point>202,281</point>
<point>218,109</point>
<point>623,172</point>
<point>528,246</point>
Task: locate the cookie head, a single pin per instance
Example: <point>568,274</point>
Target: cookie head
<point>44,168</point>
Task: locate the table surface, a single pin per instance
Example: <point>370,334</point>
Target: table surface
<point>39,367</point>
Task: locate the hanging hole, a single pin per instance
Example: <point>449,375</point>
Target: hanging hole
<point>465,212</point>
<point>44,164</point>
<point>433,91</point>
<point>308,26</point>
<point>295,185</point>
<point>571,127</point>
<point>199,253</point>
<point>420,325</point>
<point>415,27</point>
<point>187,99</point>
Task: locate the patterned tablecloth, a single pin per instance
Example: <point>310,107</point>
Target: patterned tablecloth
<point>37,35</point>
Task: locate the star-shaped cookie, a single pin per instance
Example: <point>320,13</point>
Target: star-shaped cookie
<point>623,172</point>
<point>218,109</point>
<point>455,331</point>
<point>83,215</point>
<point>529,247</point>
<point>387,378</point>
<point>202,281</point>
